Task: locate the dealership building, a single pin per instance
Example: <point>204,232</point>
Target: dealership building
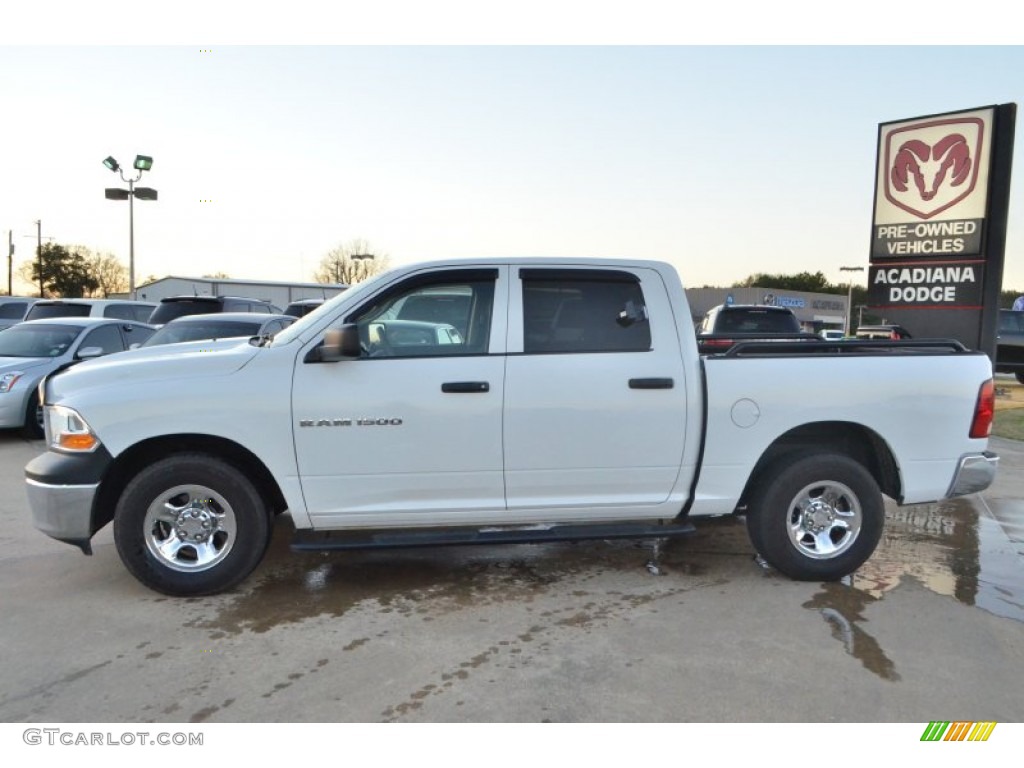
<point>815,311</point>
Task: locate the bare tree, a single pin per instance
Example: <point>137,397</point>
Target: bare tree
<point>110,274</point>
<point>350,263</point>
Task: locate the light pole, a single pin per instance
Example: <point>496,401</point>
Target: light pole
<point>142,163</point>
<point>39,252</point>
<point>849,297</point>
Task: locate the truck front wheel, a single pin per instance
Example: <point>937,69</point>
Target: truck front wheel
<point>817,517</point>
<point>191,524</point>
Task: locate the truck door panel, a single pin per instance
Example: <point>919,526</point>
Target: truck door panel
<point>411,432</point>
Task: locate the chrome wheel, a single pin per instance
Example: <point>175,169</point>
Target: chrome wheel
<point>824,520</point>
<point>190,528</point>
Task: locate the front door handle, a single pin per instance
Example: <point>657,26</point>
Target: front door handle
<point>465,386</point>
<point>651,383</point>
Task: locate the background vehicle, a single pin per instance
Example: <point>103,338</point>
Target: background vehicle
<point>302,307</point>
<point>224,325</point>
<point>389,338</point>
<point>574,405</point>
<point>118,309</point>
<point>1010,343</point>
<point>13,309</point>
<point>830,334</point>
<point>893,332</point>
<point>36,348</point>
<point>178,306</point>
<point>727,324</point>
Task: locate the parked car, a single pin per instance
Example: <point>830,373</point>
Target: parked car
<point>224,325</point>
<point>13,309</point>
<point>1010,343</point>
<point>179,306</point>
<point>117,309</point>
<point>891,332</point>
<point>302,307</point>
<point>728,324</point>
<point>391,338</point>
<point>34,349</point>
<point>831,334</point>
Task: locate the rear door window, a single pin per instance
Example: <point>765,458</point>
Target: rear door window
<point>583,311</point>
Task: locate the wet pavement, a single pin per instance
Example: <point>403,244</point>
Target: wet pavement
<point>932,627</point>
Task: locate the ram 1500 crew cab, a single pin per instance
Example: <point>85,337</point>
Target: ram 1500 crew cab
<point>558,399</point>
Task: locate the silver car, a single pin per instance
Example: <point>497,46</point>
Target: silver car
<point>220,325</point>
<point>34,349</point>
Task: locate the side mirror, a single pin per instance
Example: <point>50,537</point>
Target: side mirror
<point>87,353</point>
<point>341,344</point>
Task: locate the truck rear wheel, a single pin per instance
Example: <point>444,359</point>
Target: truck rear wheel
<point>816,517</point>
<point>191,524</point>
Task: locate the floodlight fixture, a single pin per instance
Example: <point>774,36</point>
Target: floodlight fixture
<point>142,163</point>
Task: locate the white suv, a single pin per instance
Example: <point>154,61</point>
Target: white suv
<point>118,309</point>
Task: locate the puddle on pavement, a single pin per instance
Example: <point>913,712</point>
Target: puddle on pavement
<point>952,548</point>
<point>962,548</point>
<point>967,549</point>
<point>842,607</point>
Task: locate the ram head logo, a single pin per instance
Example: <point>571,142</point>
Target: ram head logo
<point>932,166</point>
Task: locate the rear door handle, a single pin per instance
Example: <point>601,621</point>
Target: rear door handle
<point>651,383</point>
<point>465,386</point>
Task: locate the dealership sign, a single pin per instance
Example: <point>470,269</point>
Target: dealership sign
<point>918,285</point>
<point>932,187</point>
<point>939,227</point>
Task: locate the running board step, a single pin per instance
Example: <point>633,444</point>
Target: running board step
<point>310,541</point>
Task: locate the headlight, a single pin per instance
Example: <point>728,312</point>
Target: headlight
<point>67,431</point>
<point>8,380</point>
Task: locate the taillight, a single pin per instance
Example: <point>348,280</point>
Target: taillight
<point>984,410</point>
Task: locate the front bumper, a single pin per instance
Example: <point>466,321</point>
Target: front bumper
<point>12,408</point>
<point>62,490</point>
<point>974,473</point>
<point>63,511</point>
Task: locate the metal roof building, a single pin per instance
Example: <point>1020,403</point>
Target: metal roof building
<point>279,293</point>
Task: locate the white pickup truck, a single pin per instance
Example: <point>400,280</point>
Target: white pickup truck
<point>502,401</point>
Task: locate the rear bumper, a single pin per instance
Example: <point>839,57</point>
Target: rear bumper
<point>974,473</point>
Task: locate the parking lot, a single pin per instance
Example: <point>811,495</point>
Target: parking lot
<point>931,628</point>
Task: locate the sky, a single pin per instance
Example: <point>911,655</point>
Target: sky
<point>722,159</point>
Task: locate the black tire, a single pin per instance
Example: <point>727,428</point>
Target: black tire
<point>1020,376</point>
<point>816,517</point>
<point>191,524</point>
<point>33,426</point>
